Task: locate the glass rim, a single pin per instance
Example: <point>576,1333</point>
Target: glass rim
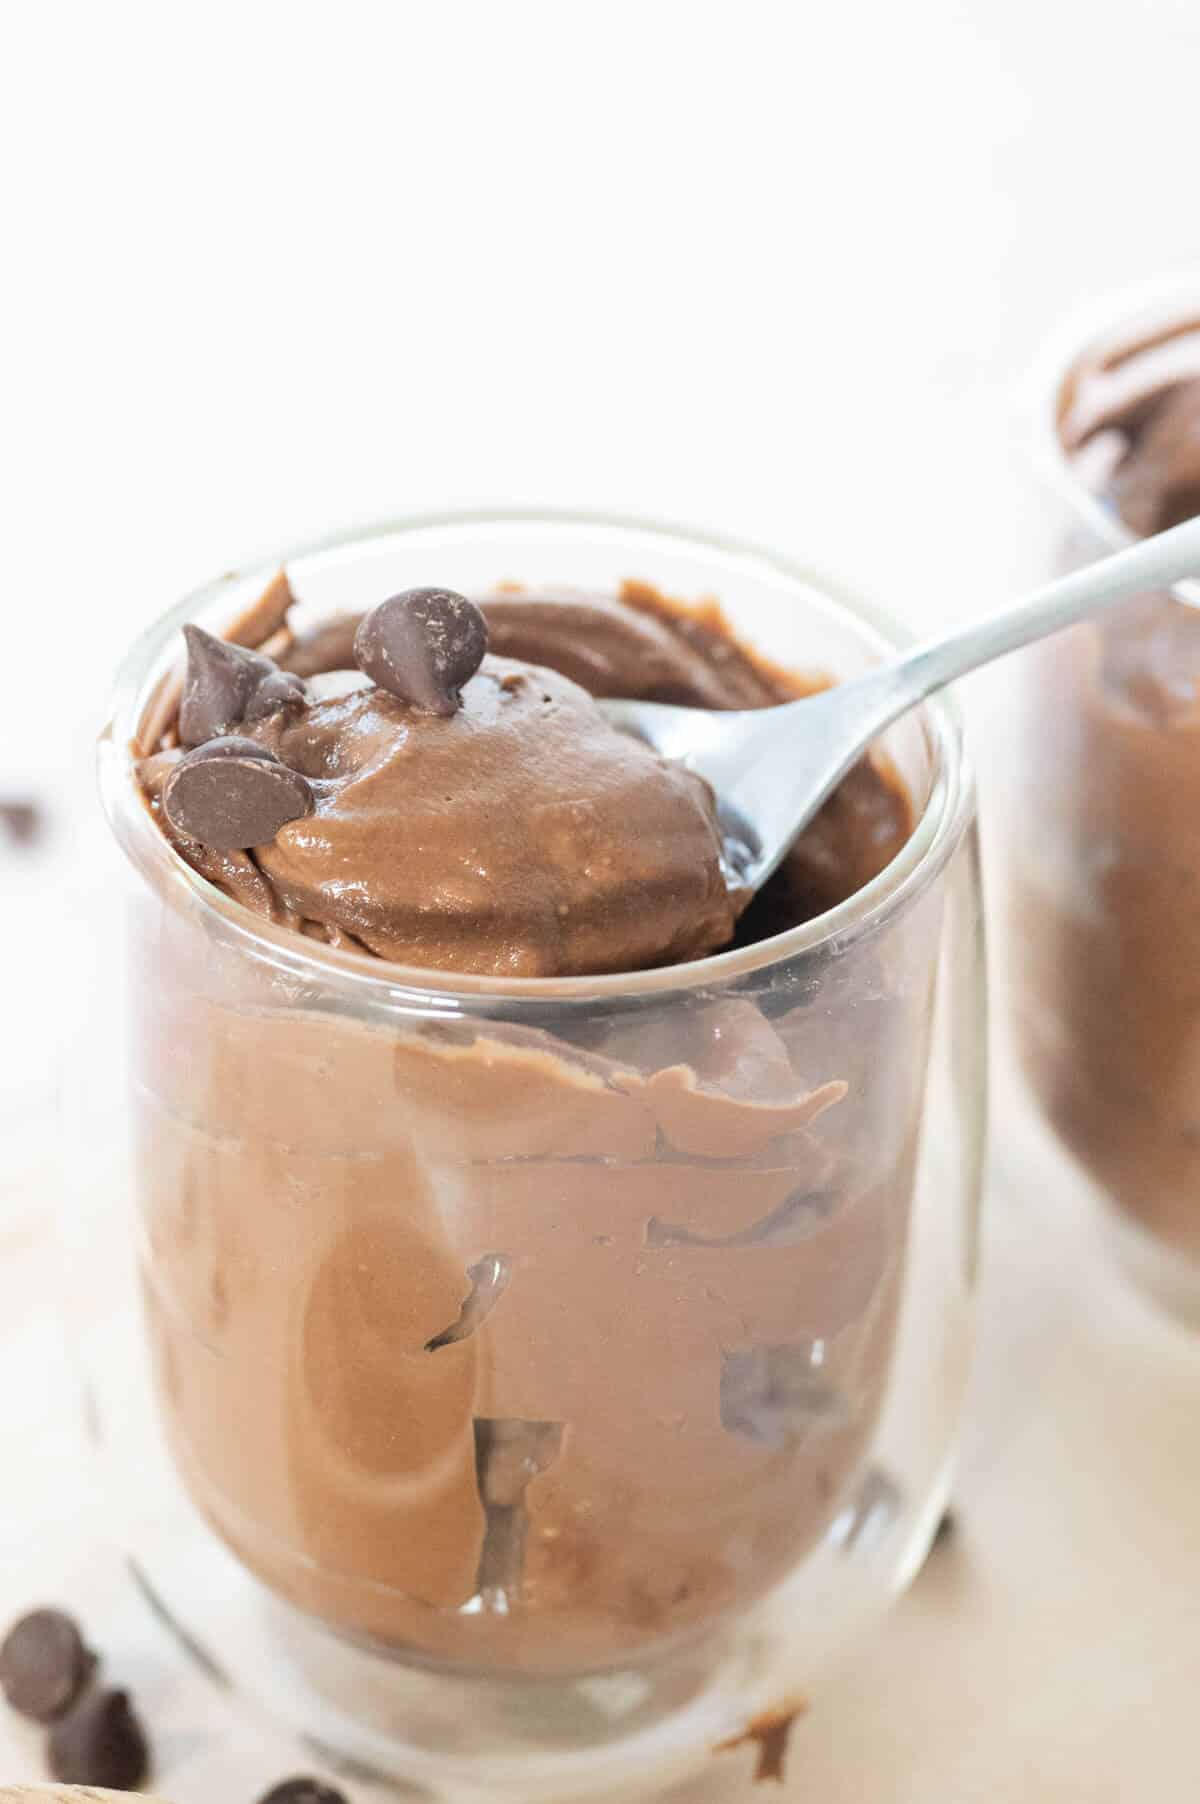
<point>1060,352</point>
<point>936,833</point>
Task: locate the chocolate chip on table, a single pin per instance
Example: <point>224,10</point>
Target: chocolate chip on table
<point>21,820</point>
<point>226,684</point>
<point>44,1664</point>
<point>99,1742</point>
<point>303,1791</point>
<point>232,793</point>
<point>422,646</point>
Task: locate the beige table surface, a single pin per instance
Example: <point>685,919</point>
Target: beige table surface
<point>1049,1652</point>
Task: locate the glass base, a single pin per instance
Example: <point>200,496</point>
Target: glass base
<point>393,1727</point>
<point>623,1734</point>
<point>630,1733</point>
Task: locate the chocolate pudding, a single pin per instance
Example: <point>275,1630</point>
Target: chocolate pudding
<point>494,1345</point>
<point>1107,856</point>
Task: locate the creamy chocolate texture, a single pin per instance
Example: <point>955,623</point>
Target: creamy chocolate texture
<point>522,836</point>
<point>525,837</point>
<point>1106,924</point>
<point>498,1346</point>
<point>531,840</point>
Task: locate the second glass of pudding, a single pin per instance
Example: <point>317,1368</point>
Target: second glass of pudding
<point>1104,830</point>
<point>584,1352</point>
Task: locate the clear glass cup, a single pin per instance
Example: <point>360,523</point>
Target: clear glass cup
<point>584,1354</point>
<point>1103,834</point>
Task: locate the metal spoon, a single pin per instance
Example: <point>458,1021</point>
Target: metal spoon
<point>772,768</point>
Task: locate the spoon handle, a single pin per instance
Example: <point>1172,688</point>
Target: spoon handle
<point>1155,563</point>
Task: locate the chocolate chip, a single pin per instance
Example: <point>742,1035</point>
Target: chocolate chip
<point>230,798</point>
<point>22,821</point>
<point>422,646</point>
<point>303,1791</point>
<point>231,745</point>
<point>276,690</point>
<point>227,684</point>
<point>44,1664</point>
<point>99,1742</point>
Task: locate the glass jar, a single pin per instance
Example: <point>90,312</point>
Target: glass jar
<point>544,1377</point>
<point>1103,849</point>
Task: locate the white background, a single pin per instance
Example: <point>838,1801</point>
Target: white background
<point>771,268</point>
<point>775,269</point>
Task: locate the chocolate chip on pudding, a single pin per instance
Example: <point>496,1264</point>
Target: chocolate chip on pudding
<point>232,793</point>
<point>45,1664</point>
<point>423,646</point>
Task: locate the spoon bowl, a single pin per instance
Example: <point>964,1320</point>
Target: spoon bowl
<point>772,768</point>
